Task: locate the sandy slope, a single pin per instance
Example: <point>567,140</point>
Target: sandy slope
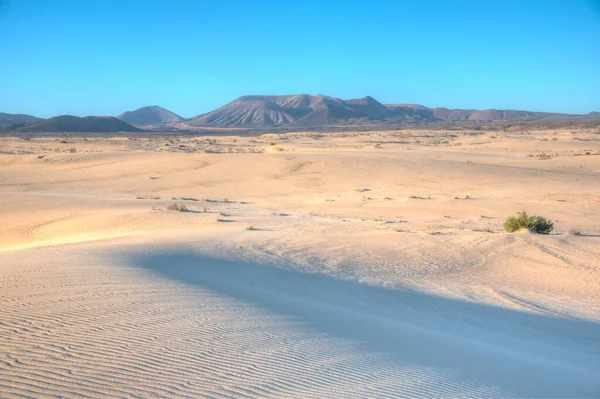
<point>348,287</point>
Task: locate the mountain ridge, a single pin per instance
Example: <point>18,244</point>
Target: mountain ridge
<point>304,110</point>
<point>296,111</point>
<point>70,123</point>
<point>7,120</point>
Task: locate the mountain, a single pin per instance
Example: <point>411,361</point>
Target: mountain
<point>68,123</point>
<point>305,111</point>
<point>15,119</point>
<point>152,115</point>
<point>301,110</point>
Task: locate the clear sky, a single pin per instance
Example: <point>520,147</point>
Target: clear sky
<point>104,57</point>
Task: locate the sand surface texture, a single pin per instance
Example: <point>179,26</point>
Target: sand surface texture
<point>346,265</point>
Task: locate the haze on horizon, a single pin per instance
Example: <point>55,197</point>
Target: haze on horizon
<point>104,58</point>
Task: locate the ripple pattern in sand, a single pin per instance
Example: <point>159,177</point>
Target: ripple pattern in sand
<point>83,328</point>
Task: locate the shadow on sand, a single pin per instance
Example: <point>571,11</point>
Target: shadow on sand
<point>530,354</point>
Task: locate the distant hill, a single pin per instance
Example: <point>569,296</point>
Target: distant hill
<point>459,115</point>
<point>68,123</point>
<point>303,110</point>
<point>15,119</point>
<point>151,115</point>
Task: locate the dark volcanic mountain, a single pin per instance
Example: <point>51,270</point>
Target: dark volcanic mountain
<point>15,119</point>
<point>300,110</point>
<point>304,111</point>
<point>68,123</point>
<point>152,115</point>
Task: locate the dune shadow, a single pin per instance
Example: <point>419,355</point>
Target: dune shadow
<point>549,356</point>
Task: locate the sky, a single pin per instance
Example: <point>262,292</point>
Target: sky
<point>105,57</point>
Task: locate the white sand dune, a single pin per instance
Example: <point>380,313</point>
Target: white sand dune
<point>346,288</point>
<point>165,321</point>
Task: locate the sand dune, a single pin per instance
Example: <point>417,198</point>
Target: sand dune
<point>120,320</point>
<point>377,266</point>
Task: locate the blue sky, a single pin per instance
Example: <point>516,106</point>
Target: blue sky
<point>105,57</point>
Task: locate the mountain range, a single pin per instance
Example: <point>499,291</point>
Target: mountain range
<point>304,111</point>
<point>280,112</point>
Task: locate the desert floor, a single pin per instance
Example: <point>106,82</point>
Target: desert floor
<point>376,266</point>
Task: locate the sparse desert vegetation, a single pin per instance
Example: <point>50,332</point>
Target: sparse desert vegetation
<point>177,207</point>
<point>523,221</point>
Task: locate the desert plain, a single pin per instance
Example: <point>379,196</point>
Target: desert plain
<point>302,265</point>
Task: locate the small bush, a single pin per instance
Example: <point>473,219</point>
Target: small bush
<point>251,227</point>
<point>538,224</point>
<point>177,207</point>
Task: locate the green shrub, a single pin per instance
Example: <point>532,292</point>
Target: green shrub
<point>538,224</point>
<point>542,225</point>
